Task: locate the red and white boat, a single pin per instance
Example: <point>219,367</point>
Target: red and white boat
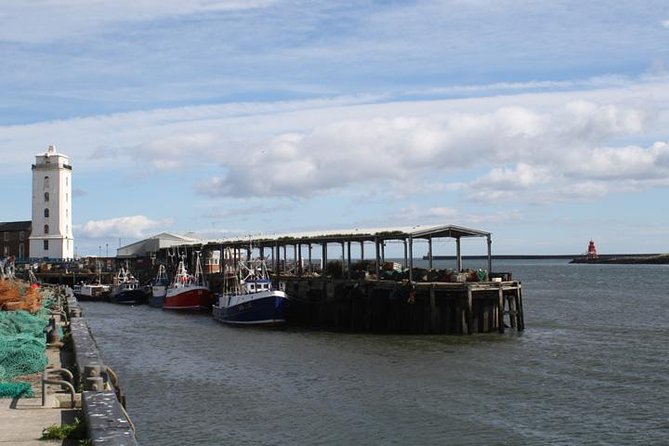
<point>188,292</point>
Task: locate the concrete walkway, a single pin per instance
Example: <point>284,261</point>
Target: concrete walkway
<point>23,419</point>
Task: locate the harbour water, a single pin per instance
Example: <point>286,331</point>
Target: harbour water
<point>591,367</point>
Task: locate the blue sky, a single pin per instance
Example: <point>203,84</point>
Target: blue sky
<point>543,122</point>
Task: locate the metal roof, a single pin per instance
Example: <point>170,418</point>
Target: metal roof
<point>327,236</point>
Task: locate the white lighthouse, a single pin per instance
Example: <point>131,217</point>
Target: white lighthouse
<point>51,235</point>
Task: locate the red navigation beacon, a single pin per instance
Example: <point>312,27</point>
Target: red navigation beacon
<point>592,250</point>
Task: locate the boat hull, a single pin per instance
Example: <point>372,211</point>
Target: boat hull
<point>128,297</point>
<point>263,308</point>
<point>188,299</point>
<point>94,293</point>
<point>157,298</point>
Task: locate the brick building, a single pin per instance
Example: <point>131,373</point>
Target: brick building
<point>14,239</point>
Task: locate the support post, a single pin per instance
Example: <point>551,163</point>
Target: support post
<point>458,255</point>
<point>410,259</point>
<point>489,255</point>
<point>433,310</point>
<point>429,251</point>
<point>275,260</point>
<point>406,254</point>
<point>378,255</point>
<point>324,247</point>
<point>521,313</point>
<point>470,311</point>
<point>309,257</point>
<point>299,259</point>
<point>285,257</point>
<point>500,303</point>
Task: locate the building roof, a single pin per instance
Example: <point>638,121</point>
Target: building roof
<point>154,243</point>
<point>16,226</point>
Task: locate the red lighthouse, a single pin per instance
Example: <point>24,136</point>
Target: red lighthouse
<point>592,251</point>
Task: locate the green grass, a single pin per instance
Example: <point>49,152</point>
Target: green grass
<point>75,430</point>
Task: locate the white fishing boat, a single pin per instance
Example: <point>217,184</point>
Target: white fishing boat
<point>91,291</point>
<point>248,297</point>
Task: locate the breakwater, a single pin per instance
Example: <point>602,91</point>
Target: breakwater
<point>625,259</point>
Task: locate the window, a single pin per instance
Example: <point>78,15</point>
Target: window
<point>46,245</point>
<point>6,236</point>
<point>67,181</point>
<point>22,236</point>
<point>6,251</point>
<point>46,197</point>
<point>22,251</point>
<point>67,198</point>
<point>46,182</point>
<point>46,229</point>
<point>67,213</point>
<point>46,213</point>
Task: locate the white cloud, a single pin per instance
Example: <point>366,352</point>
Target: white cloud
<point>486,147</point>
<point>176,151</point>
<point>585,174</point>
<point>624,163</point>
<point>665,24</point>
<point>522,176</point>
<point>401,149</point>
<point>441,214</point>
<point>136,226</point>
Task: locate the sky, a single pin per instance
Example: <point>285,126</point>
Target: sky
<point>543,122</point>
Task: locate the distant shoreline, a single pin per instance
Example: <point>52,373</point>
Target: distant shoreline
<point>577,258</point>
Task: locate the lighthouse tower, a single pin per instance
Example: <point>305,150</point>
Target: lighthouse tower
<point>592,251</point>
<point>51,235</point>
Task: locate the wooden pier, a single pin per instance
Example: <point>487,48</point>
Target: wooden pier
<point>360,289</point>
<point>363,295</point>
<point>403,307</point>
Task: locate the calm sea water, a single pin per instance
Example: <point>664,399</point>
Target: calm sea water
<point>591,368</point>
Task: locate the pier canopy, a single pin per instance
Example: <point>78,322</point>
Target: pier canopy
<point>346,237</point>
<point>343,235</point>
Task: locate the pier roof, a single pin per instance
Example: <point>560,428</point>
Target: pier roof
<point>356,234</point>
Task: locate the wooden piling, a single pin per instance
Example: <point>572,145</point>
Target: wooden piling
<point>500,310</point>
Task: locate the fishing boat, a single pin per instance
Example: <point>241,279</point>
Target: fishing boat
<point>91,291</point>
<point>248,297</point>
<point>159,288</point>
<point>126,288</point>
<point>188,292</point>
